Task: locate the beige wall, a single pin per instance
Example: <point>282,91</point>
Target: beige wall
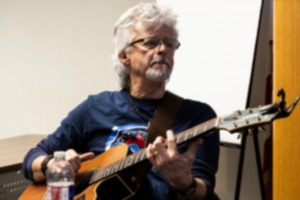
<point>53,54</point>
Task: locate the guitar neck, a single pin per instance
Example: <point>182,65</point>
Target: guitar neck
<point>196,131</point>
<point>181,139</point>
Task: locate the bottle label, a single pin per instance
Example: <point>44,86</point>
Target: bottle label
<point>60,191</point>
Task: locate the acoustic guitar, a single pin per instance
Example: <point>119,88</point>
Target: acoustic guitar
<point>116,175</point>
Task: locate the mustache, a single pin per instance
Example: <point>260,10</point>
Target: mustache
<point>160,59</point>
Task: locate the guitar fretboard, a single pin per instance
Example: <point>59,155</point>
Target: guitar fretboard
<point>140,156</point>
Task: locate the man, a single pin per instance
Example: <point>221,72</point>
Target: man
<point>145,39</point>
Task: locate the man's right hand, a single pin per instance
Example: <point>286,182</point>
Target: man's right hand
<point>72,157</point>
<point>76,159</point>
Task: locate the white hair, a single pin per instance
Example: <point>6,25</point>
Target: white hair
<point>150,16</point>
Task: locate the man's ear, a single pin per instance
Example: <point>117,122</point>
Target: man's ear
<point>124,58</point>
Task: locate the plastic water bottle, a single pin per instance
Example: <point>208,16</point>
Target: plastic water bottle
<point>60,179</point>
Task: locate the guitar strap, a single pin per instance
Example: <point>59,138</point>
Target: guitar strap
<point>162,120</point>
<point>164,116</point>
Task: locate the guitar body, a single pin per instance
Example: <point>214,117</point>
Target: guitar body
<point>113,187</point>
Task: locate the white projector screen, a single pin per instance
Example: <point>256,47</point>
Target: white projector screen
<point>214,61</point>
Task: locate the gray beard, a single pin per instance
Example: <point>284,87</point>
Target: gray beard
<point>158,75</point>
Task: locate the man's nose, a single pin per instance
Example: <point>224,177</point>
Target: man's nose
<point>161,46</point>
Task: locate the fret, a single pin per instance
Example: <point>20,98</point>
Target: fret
<point>195,131</point>
<point>143,156</point>
<point>101,172</point>
<point>106,171</point>
<point>186,135</point>
<point>204,128</point>
<point>129,160</point>
<point>97,176</point>
<point>139,156</point>
<point>122,164</point>
<point>115,167</point>
<point>136,157</point>
<point>178,138</point>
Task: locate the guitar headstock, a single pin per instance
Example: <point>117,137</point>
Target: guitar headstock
<point>256,116</point>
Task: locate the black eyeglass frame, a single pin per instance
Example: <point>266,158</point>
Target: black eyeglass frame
<point>161,40</point>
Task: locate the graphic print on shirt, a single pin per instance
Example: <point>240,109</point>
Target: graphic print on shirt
<point>133,135</point>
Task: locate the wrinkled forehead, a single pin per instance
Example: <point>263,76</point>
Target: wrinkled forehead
<point>160,29</point>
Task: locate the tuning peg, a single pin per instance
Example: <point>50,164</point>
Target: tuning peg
<point>250,110</point>
<point>235,125</point>
<point>238,112</point>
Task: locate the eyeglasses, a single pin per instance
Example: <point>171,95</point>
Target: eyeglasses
<point>152,42</point>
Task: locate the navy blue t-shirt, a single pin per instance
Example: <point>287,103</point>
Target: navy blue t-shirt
<point>110,118</point>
